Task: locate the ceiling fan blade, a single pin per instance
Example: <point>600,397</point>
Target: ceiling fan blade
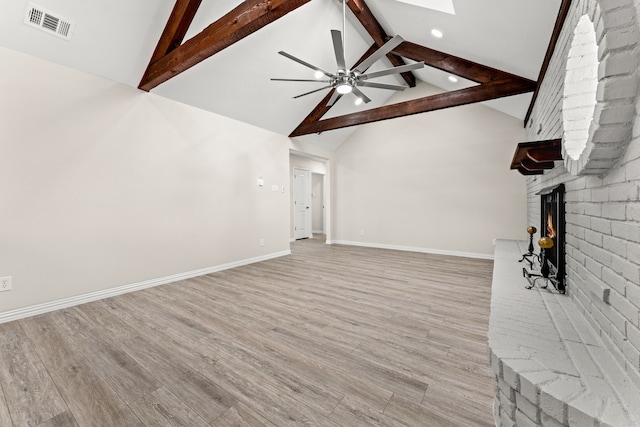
<point>313,91</point>
<point>306,64</point>
<point>334,98</point>
<point>381,85</point>
<point>338,48</point>
<point>384,49</point>
<point>395,70</point>
<point>357,92</point>
<point>301,80</point>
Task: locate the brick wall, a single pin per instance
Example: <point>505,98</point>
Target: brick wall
<point>603,210</point>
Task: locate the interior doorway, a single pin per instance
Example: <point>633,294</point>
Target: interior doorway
<point>301,204</point>
<point>318,197</point>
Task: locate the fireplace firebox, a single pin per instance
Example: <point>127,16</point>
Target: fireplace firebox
<point>552,245</point>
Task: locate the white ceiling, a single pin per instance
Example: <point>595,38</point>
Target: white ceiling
<point>115,39</point>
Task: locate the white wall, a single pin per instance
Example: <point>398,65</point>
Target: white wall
<point>435,181</point>
<point>102,185</point>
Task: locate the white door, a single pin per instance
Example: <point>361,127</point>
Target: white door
<point>317,203</point>
<point>301,202</point>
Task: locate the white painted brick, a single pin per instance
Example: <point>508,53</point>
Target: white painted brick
<point>510,376</point>
<point>610,135</point>
<point>626,230</point>
<point>626,268</point>
<point>633,252</point>
<point>617,63</point>
<point>594,267</point>
<point>600,255</point>
<point>615,416</point>
<point>620,17</point>
<point>615,176</point>
<point>584,410</point>
<point>633,212</point>
<point>601,320</point>
<point>624,307</point>
<point>632,354</point>
<point>614,280</point>
<point>634,375</point>
<point>506,389</point>
<point>593,237</point>
<point>548,421</point>
<point>606,5</point>
<point>554,396</point>
<point>530,383</point>
<point>619,38</point>
<point>632,168</point>
<point>623,192</point>
<point>507,406</point>
<point>612,315</point>
<point>505,421</point>
<point>601,225</point>
<point>615,245</point>
<point>529,409</point>
<point>614,211</point>
<point>633,294</point>
<point>523,421</point>
<point>592,209</point>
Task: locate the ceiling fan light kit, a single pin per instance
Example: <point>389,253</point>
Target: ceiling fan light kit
<point>346,81</point>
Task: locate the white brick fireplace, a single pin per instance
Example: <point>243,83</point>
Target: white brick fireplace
<point>574,359</point>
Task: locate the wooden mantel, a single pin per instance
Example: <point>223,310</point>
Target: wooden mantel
<point>533,158</point>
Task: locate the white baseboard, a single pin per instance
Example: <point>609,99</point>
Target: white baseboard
<point>414,249</point>
<point>318,231</point>
<point>46,307</point>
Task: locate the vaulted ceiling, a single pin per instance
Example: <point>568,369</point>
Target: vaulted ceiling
<point>220,55</point>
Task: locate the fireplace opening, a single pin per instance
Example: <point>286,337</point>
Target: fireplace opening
<point>553,227</point>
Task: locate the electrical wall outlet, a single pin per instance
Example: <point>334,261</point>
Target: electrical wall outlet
<point>5,283</point>
<point>362,232</point>
<point>261,242</point>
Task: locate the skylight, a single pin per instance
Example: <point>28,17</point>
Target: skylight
<point>445,6</point>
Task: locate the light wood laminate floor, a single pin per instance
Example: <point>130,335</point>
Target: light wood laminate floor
<point>328,336</point>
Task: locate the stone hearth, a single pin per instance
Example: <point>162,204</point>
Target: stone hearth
<point>551,368</point>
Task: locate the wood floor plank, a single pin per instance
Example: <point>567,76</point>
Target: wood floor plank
<point>130,380</point>
<point>330,335</point>
<point>163,408</point>
<point>241,415</point>
<point>270,402</point>
<point>209,399</point>
<point>66,419</point>
<point>30,393</point>
<point>415,414</point>
<point>5,416</point>
<point>354,414</point>
<point>88,396</point>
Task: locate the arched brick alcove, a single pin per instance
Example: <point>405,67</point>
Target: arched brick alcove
<point>601,85</point>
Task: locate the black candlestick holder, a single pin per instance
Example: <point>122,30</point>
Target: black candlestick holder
<point>530,256</point>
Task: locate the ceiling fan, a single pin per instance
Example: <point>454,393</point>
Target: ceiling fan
<point>346,81</point>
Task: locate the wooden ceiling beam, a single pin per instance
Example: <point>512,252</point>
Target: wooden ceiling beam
<point>245,19</point>
<point>362,12</point>
<point>455,65</point>
<point>177,26</point>
<point>483,92</point>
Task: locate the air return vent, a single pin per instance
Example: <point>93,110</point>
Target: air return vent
<point>48,22</point>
